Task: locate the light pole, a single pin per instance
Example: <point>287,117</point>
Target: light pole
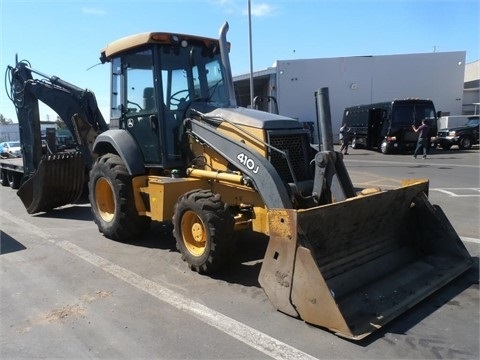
<point>251,56</point>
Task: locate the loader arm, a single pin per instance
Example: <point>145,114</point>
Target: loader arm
<point>329,181</point>
<point>259,170</point>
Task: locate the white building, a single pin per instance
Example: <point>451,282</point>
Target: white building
<point>357,80</point>
<point>9,132</point>
<point>471,92</point>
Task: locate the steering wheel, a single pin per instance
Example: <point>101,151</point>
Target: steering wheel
<point>175,100</point>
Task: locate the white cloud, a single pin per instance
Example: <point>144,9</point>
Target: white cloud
<point>260,10</point>
<point>93,11</point>
<point>229,6</point>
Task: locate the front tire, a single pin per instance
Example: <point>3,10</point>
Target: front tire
<point>203,229</point>
<point>465,143</point>
<point>112,200</point>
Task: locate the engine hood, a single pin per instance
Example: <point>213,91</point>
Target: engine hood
<point>255,118</point>
<point>458,128</point>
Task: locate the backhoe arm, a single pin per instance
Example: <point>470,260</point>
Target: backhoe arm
<point>59,179</point>
<point>76,107</point>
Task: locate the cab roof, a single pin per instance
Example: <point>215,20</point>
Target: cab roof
<point>130,42</point>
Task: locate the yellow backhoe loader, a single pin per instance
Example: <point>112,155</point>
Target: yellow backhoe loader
<point>179,149</point>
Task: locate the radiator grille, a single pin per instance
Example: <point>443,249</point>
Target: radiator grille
<point>296,147</point>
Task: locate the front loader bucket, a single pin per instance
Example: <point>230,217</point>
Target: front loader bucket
<point>59,180</point>
<point>354,265</point>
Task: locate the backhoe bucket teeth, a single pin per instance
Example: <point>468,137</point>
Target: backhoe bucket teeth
<point>354,265</point>
<point>59,180</point>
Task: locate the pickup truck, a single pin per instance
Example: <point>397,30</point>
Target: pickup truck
<point>464,136</point>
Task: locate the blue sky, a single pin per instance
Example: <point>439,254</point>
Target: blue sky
<point>64,38</point>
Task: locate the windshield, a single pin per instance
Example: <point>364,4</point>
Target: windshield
<point>191,74</point>
<point>473,122</point>
<point>412,113</point>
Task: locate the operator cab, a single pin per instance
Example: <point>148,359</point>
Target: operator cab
<point>156,77</point>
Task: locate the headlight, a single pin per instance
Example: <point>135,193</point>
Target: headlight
<point>451,133</point>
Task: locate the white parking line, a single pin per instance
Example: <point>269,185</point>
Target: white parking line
<point>430,161</point>
<point>451,191</point>
<point>468,239</point>
<point>244,333</point>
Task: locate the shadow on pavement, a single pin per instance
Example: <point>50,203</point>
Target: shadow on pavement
<point>9,244</point>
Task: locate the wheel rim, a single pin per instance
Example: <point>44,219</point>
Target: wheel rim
<point>193,233</point>
<point>104,199</point>
<point>383,147</point>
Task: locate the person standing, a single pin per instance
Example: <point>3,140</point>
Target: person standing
<point>422,142</point>
<point>344,136</point>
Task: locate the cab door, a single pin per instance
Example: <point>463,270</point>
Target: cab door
<point>141,106</point>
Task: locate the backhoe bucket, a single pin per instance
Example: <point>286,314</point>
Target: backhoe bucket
<point>59,180</point>
<point>354,265</point>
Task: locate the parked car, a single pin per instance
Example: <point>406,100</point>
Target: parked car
<point>464,136</point>
<point>10,148</point>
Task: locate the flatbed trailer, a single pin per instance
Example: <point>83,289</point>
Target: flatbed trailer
<point>11,171</point>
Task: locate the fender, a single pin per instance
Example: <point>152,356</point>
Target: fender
<point>122,143</point>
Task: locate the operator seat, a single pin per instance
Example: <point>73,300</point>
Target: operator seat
<point>148,99</point>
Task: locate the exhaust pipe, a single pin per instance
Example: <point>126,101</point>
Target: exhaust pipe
<point>324,119</point>
<point>224,50</point>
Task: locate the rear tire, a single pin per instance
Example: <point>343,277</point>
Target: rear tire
<point>14,179</point>
<point>203,229</point>
<point>3,175</point>
<point>112,200</point>
<point>354,143</point>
